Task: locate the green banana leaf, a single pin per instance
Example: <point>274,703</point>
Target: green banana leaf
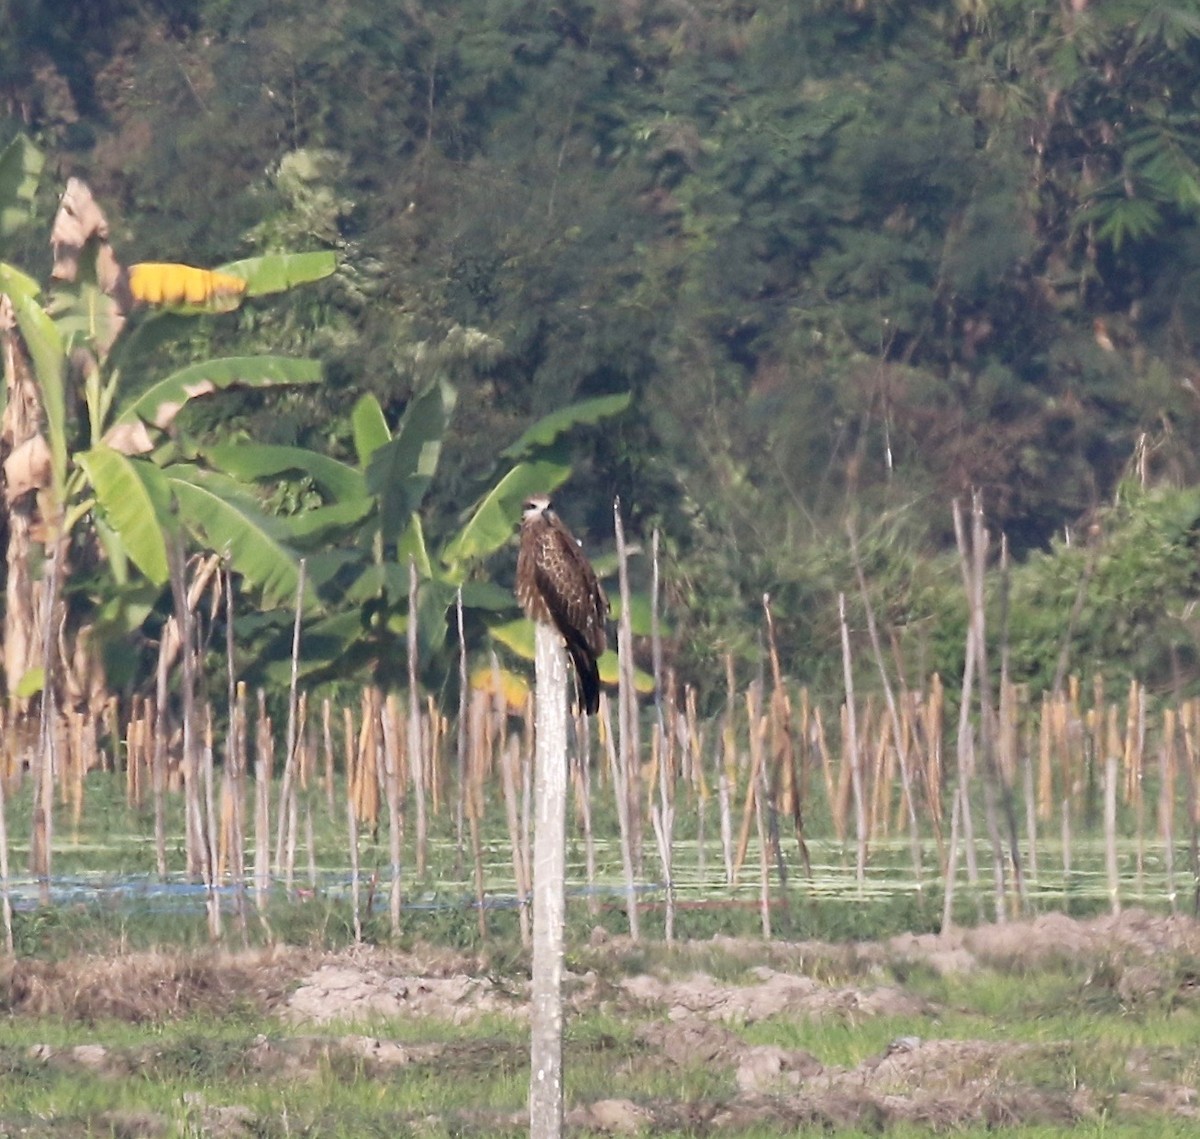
<point>136,504</point>
<point>228,520</point>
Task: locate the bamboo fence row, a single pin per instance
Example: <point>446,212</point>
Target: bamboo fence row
<point>740,798</point>
<point>992,788</point>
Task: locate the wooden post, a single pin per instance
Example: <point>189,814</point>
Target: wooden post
<point>549,891</point>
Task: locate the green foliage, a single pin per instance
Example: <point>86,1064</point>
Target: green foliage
<point>1133,582</point>
<point>847,258</point>
<point>20,168</point>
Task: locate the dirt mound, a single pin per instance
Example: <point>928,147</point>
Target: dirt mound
<point>353,991</point>
<point>774,994</point>
<point>153,986</point>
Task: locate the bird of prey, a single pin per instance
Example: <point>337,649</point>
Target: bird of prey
<point>556,586</point>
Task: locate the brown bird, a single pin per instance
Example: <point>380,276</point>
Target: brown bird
<point>557,586</point>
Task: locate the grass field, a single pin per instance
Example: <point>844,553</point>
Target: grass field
<point>123,1016</point>
<point>1072,1028</point>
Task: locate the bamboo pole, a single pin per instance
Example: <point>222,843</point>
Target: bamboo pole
<point>286,792</point>
<point>264,762</point>
<point>1111,774</point>
<point>627,709</point>
<point>852,743</point>
<point>583,796</point>
<point>475,801</point>
<point>662,817</point>
<point>621,794</point>
<point>388,713</point>
<point>352,821</point>
<point>416,753</point>
<point>330,779</point>
<point>461,742</point>
<point>1166,804</point>
<point>236,760</point>
<point>509,762</point>
<point>914,834</point>
<point>6,910</point>
<point>210,818</point>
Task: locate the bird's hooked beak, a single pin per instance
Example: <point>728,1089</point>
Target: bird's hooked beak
<point>538,504</point>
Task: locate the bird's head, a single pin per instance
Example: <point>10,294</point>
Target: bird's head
<point>534,505</point>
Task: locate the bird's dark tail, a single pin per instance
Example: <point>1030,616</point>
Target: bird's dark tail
<point>588,673</point>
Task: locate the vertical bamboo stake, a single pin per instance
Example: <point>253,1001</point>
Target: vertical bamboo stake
<point>1111,760</point>
<point>856,782</point>
<point>951,867</point>
<point>352,820</point>
<point>662,817</point>
<point>549,891</point>
<point>725,822</point>
<point>753,718</point>
<point>289,759</point>
<point>264,761</point>
<point>327,752</point>
<point>583,785</point>
<point>42,838</point>
<point>1031,815</point>
<point>460,750</point>
<point>160,764</point>
<point>196,841</point>
<point>210,870</point>
<point>475,801</point>
<point>627,710</point>
<point>527,780</point>
<point>236,760</point>
<point>620,793</point>
<point>5,896</point>
<point>973,559</point>
<point>509,762</point>
<point>914,834</point>
<point>758,783</point>
<point>727,770</point>
<point>416,755</point>
<point>389,716</point>
<point>299,781</point>
<point>1166,804</point>
<point>656,655</point>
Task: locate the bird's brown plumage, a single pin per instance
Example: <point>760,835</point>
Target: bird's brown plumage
<point>557,586</point>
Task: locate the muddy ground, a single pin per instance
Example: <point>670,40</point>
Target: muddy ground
<point>331,1005</point>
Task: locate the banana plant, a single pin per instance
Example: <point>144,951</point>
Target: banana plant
<point>110,471</point>
<point>369,530</point>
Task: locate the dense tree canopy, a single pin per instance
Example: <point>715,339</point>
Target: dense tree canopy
<point>852,257</point>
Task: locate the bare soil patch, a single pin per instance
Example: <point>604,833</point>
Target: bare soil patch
<point>679,1016</point>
